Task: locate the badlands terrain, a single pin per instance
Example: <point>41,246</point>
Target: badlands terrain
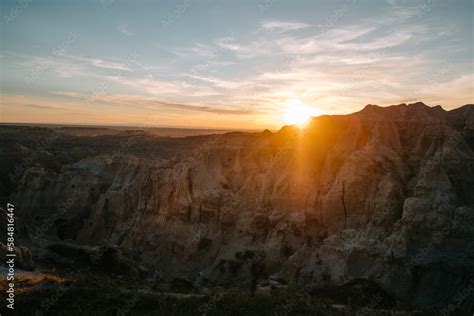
<point>370,213</point>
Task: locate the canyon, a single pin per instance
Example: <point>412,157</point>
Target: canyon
<point>381,198</point>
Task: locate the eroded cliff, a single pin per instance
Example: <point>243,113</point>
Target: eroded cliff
<point>385,194</point>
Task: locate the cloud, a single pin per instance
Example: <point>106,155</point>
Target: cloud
<point>198,49</point>
<point>70,94</point>
<point>217,82</point>
<point>148,102</point>
<point>124,30</point>
<point>452,92</point>
<point>161,87</point>
<point>100,63</point>
<point>322,65</point>
<point>345,40</point>
<point>280,26</point>
<point>201,108</point>
<point>11,102</point>
<point>67,66</point>
<point>41,107</point>
<point>255,48</point>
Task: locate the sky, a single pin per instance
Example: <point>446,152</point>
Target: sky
<point>228,64</point>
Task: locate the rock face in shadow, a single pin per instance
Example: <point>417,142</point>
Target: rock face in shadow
<point>23,258</point>
<point>106,259</point>
<point>385,194</point>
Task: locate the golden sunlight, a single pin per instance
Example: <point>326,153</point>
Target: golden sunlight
<point>298,113</point>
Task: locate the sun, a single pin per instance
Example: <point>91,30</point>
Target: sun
<point>298,113</point>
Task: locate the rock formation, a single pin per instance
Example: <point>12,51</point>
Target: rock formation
<point>385,194</point>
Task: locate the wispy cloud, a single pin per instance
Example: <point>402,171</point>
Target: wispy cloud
<point>198,49</point>
<point>124,30</point>
<point>149,102</point>
<point>100,63</point>
<point>160,87</point>
<point>38,66</point>
<point>41,107</point>
<point>252,49</point>
<point>217,82</point>
<point>10,102</point>
<point>68,66</point>
<point>281,26</point>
